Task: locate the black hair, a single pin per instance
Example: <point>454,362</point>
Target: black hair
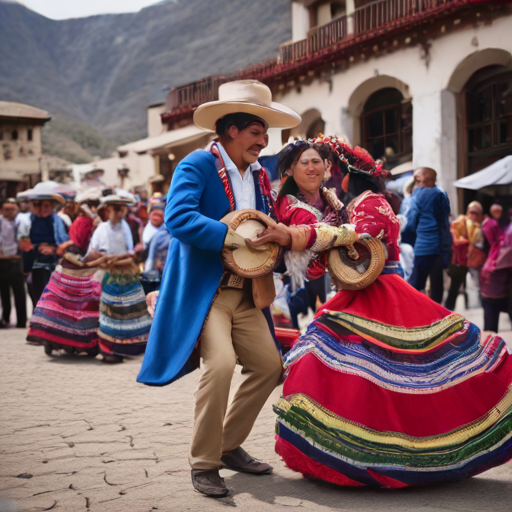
<point>359,183</point>
<point>240,119</point>
<point>289,155</point>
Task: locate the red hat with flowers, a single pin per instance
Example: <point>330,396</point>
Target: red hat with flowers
<point>357,159</point>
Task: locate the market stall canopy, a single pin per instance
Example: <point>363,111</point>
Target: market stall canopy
<point>165,140</point>
<point>499,173</point>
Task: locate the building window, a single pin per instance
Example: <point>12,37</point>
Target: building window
<point>14,135</point>
<point>29,134</point>
<point>489,112</point>
<point>386,126</point>
<point>338,9</point>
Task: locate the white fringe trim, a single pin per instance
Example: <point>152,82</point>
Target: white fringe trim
<point>297,266</point>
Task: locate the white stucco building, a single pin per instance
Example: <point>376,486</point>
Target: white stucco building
<point>427,80</point>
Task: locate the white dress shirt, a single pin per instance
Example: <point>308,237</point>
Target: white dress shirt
<point>243,188</point>
<point>112,239</point>
<point>8,241</point>
<point>148,233</point>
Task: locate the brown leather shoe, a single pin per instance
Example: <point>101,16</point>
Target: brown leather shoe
<point>239,460</point>
<point>209,482</point>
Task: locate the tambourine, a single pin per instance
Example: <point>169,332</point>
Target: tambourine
<point>246,261</point>
<point>351,274</point>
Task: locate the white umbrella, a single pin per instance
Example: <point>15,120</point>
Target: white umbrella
<point>402,168</point>
<point>499,173</point>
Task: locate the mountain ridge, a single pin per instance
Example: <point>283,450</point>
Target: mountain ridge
<point>104,70</point>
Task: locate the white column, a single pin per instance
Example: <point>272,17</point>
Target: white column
<point>435,138</point>
<point>347,126</point>
<point>300,21</point>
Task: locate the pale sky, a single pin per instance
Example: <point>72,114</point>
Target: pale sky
<point>63,9</point>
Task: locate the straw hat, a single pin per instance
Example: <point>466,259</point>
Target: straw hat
<point>122,199</point>
<point>43,191</point>
<point>91,194</point>
<point>246,96</point>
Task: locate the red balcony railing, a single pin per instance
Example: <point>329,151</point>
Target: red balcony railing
<point>366,21</point>
<point>194,94</point>
<point>383,13</point>
<point>318,38</point>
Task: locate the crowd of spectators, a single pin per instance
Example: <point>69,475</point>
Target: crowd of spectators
<point>36,228</point>
<point>442,255</point>
<point>473,250</point>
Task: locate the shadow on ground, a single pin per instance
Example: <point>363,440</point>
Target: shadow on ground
<point>478,493</point>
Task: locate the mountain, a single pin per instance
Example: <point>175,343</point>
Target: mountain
<point>97,75</point>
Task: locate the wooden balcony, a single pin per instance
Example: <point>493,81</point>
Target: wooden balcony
<point>383,13</point>
<point>318,39</point>
<point>370,21</point>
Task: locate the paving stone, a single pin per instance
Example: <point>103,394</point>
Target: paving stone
<point>71,423</point>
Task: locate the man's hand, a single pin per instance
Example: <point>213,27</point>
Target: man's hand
<point>25,245</point>
<point>151,302</point>
<point>278,233</point>
<point>233,240</point>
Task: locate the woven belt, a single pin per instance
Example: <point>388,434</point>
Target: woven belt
<point>230,280</point>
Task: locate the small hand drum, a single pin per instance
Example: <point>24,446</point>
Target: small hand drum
<point>246,261</point>
<point>350,274</point>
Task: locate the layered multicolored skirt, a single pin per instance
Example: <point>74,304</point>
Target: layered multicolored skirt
<point>67,314</point>
<point>389,389</point>
<point>124,319</point>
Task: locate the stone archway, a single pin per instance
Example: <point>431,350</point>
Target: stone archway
<point>474,62</point>
<point>312,121</point>
<point>358,99</point>
<point>454,106</point>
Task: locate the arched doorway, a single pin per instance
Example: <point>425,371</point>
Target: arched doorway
<point>487,101</point>
<point>472,81</point>
<point>312,124</point>
<point>386,126</point>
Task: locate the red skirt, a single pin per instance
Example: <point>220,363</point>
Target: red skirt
<point>388,388</point>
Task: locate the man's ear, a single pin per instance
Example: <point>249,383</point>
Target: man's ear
<point>233,131</point>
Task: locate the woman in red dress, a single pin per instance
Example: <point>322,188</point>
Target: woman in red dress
<point>386,388</point>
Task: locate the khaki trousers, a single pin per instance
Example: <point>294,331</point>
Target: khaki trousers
<point>235,329</point>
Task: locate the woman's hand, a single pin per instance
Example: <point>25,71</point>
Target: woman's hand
<point>47,250</point>
<point>279,233</point>
<point>151,302</point>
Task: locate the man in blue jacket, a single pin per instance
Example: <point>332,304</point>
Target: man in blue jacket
<point>199,299</point>
<point>428,230</point>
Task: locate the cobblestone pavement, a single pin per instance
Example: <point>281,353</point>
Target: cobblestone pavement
<point>79,435</point>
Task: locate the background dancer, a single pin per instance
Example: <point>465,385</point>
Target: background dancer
<point>198,298</point>
<point>124,320</point>
<point>67,314</point>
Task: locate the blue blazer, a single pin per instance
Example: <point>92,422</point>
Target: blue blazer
<point>193,270</point>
